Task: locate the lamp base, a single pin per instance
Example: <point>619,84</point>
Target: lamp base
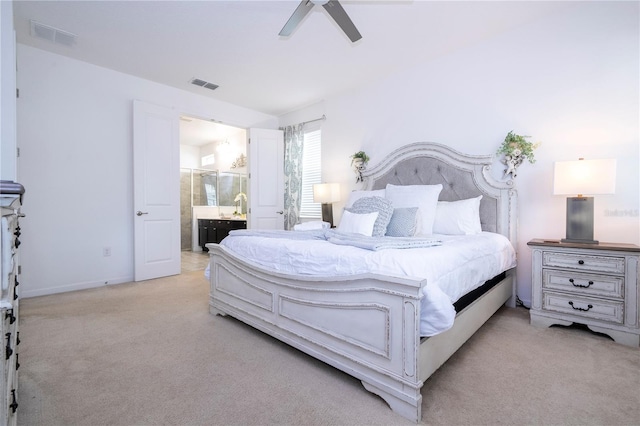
<point>580,220</point>
<point>327,213</point>
<point>567,240</point>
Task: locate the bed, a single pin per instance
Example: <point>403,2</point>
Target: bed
<point>368,324</point>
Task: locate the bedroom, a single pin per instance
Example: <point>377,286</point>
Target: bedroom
<point>568,79</point>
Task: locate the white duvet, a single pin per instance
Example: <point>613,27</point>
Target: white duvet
<point>452,269</point>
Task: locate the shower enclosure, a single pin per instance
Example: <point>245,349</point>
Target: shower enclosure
<point>201,187</point>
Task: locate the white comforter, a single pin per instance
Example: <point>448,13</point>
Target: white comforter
<point>452,269</point>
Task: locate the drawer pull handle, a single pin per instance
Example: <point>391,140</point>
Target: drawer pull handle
<point>14,403</point>
<point>581,309</point>
<point>7,350</point>
<point>580,262</point>
<point>580,285</point>
<point>9,315</point>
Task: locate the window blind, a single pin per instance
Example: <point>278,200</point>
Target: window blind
<point>311,174</point>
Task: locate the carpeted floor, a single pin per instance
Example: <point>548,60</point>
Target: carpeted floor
<point>149,353</point>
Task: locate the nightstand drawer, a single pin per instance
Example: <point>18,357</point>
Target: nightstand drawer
<point>606,264</point>
<point>583,283</point>
<point>599,309</point>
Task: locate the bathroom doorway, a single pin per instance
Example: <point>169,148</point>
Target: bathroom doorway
<point>213,174</point>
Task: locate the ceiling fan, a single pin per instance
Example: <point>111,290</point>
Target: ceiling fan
<point>335,10</point>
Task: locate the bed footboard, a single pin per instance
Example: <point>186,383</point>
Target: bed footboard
<point>365,325</point>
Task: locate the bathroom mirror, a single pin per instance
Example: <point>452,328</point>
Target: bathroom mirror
<point>214,188</point>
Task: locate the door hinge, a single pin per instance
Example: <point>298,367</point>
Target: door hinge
<point>17,92</point>
<point>17,152</point>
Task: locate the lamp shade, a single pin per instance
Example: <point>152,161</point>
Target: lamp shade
<point>326,193</point>
<point>584,177</point>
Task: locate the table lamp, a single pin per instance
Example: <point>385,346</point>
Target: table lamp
<point>326,194</point>
<point>579,178</point>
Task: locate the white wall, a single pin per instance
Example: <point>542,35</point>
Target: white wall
<point>75,136</point>
<point>7,93</point>
<point>569,80</point>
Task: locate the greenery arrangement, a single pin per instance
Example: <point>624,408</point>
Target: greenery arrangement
<point>360,155</point>
<point>515,145</point>
<point>359,162</point>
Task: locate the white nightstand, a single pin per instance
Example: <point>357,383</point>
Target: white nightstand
<point>591,284</point>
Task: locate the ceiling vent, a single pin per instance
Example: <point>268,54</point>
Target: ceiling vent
<point>204,84</point>
<point>52,34</point>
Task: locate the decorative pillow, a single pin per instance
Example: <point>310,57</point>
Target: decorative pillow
<point>458,217</point>
<point>357,223</point>
<point>425,197</point>
<point>403,222</point>
<point>356,195</point>
<point>375,204</point>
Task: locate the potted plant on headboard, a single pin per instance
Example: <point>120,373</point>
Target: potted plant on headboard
<point>516,148</point>
<point>359,162</point>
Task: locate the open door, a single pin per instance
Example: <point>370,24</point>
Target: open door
<point>156,187</point>
<point>266,179</point>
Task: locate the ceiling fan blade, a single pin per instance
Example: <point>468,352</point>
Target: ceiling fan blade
<point>301,11</point>
<point>342,19</point>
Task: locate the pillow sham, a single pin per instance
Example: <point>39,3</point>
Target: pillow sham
<point>403,222</point>
<point>458,217</point>
<point>357,223</point>
<point>356,195</point>
<point>425,197</point>
<point>375,204</point>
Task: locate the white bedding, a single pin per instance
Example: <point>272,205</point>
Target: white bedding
<point>452,269</point>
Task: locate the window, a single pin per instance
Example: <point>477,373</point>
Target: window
<point>311,174</point>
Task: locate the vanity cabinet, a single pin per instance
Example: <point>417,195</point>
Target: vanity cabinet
<point>591,284</point>
<point>214,230</point>
<point>10,202</point>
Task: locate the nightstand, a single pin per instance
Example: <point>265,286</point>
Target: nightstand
<point>591,284</point>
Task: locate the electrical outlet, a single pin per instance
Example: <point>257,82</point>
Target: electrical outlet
<point>106,251</point>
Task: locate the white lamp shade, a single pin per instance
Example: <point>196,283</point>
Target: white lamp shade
<point>584,177</point>
<point>326,193</point>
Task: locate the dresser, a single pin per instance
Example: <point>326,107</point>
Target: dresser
<point>11,201</point>
<point>591,284</point>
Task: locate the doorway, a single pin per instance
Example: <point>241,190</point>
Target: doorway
<point>212,157</point>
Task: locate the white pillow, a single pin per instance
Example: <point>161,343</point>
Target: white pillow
<point>358,223</point>
<point>425,197</point>
<point>458,217</point>
<point>356,195</point>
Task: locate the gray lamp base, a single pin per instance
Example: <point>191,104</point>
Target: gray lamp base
<point>580,220</point>
<point>327,213</point>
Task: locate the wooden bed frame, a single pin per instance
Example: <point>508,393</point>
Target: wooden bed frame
<point>368,325</point>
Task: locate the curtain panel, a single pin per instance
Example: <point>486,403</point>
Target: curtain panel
<point>293,147</point>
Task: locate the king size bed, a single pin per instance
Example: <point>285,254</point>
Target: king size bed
<point>368,313</point>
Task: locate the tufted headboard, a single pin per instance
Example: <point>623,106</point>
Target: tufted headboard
<point>462,176</point>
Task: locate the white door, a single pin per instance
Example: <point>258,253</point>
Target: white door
<point>266,179</point>
<point>156,187</point>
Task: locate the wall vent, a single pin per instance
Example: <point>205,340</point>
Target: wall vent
<point>52,34</point>
<point>204,84</point>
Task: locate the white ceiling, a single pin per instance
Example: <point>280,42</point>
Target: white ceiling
<point>235,44</point>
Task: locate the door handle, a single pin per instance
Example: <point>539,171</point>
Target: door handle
<point>280,212</point>
<point>139,213</point>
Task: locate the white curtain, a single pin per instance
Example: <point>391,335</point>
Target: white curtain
<point>293,146</point>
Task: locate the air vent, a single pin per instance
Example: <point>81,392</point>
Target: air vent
<point>204,84</point>
<point>52,34</point>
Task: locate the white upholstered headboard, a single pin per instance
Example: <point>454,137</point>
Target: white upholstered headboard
<point>462,176</point>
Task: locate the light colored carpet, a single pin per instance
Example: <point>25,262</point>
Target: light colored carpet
<point>150,353</point>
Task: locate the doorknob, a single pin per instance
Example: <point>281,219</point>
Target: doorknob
<point>139,213</point>
<point>280,212</point>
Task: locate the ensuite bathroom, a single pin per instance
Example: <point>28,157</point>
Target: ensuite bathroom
<point>213,180</point>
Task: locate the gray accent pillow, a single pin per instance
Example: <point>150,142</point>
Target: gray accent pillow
<point>403,222</point>
<point>374,204</point>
